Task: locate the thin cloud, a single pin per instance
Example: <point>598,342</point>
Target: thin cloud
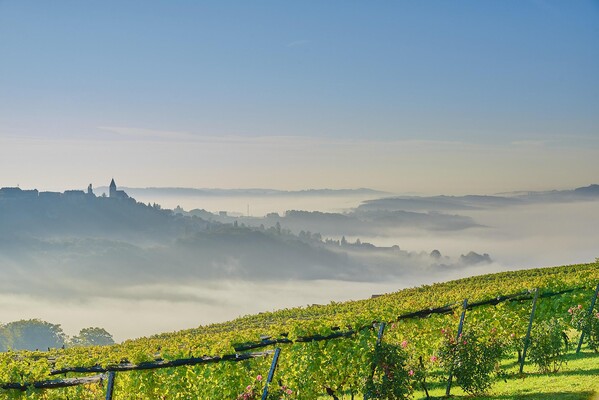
<point>146,133</point>
<point>573,141</point>
<point>298,43</point>
<point>529,143</point>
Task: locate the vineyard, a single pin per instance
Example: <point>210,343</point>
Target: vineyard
<point>353,349</point>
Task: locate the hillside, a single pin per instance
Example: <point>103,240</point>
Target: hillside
<point>44,238</point>
<point>308,364</point>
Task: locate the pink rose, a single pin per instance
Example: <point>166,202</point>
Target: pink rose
<point>248,388</point>
<point>288,391</point>
<point>259,378</point>
<point>411,373</point>
<point>580,307</point>
<point>404,344</point>
<point>434,358</point>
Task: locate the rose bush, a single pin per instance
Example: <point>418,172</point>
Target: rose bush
<point>472,358</point>
<point>548,345</point>
<point>393,376</point>
<point>587,323</point>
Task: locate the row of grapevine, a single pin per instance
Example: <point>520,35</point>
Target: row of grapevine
<point>313,361</point>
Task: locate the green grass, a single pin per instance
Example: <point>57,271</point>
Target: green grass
<point>578,379</point>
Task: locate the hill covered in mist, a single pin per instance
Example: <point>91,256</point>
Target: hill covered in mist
<point>66,245</point>
<point>479,202</point>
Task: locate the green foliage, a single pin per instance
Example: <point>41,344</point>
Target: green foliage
<point>275,392</point>
<point>311,369</point>
<point>33,334</point>
<point>392,378</point>
<point>92,337</point>
<point>472,359</point>
<point>586,322</point>
<point>548,345</point>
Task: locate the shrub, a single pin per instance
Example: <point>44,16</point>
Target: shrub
<point>418,366</point>
<point>254,391</point>
<point>392,378</point>
<point>548,344</point>
<point>587,323</point>
<point>472,359</point>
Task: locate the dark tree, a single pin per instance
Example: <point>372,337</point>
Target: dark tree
<point>33,334</point>
<point>92,336</point>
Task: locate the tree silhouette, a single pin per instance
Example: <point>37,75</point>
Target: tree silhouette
<point>33,334</point>
<point>92,336</point>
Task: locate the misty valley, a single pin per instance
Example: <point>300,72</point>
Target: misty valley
<point>118,242</point>
<point>76,251</point>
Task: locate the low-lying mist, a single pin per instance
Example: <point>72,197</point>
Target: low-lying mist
<point>136,270</point>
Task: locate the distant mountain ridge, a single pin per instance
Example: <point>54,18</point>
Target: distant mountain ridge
<point>179,191</point>
<point>477,202</point>
<point>590,190</point>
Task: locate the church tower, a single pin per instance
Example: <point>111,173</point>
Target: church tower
<point>112,189</point>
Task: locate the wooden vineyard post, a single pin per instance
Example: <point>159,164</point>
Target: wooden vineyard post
<point>460,327</point>
<point>527,338</point>
<point>589,313</point>
<point>379,338</point>
<point>271,373</point>
<point>110,385</point>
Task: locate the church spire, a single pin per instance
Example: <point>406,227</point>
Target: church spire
<point>112,189</point>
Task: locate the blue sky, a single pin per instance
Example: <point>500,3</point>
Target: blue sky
<point>88,76</point>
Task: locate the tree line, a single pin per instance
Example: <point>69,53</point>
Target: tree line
<point>35,334</point>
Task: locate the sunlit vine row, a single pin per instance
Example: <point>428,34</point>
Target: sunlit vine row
<point>307,369</point>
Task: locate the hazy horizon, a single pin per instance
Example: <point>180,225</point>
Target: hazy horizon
<point>402,97</point>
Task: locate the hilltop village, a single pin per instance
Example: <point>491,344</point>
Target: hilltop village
<point>16,193</point>
<point>80,213</point>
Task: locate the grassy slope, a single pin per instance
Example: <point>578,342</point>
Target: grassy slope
<point>577,380</point>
